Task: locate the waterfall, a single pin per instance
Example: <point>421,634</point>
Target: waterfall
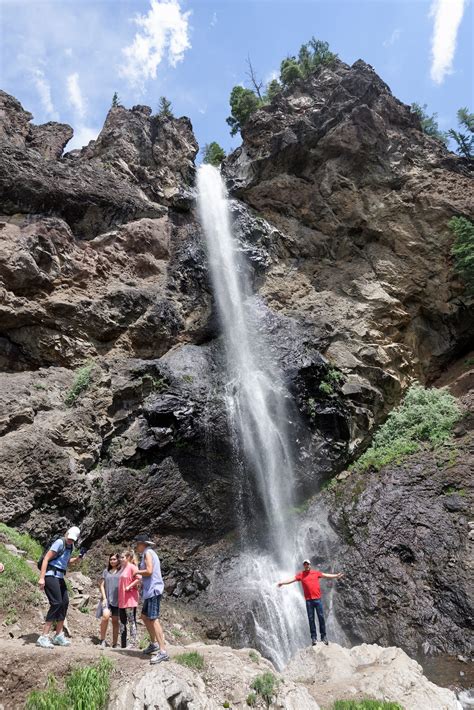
<point>258,406</point>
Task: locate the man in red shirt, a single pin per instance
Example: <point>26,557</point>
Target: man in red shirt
<point>309,579</point>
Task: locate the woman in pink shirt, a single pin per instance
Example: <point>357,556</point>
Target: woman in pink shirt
<point>128,598</point>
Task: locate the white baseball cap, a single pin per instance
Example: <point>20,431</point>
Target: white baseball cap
<point>306,562</point>
<point>73,534</point>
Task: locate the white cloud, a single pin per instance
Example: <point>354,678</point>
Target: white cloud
<point>447,18</point>
<point>44,91</point>
<point>394,37</point>
<point>213,21</point>
<point>164,30</point>
<point>82,136</point>
<point>74,94</point>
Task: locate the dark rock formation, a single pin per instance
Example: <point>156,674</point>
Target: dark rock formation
<point>341,205</point>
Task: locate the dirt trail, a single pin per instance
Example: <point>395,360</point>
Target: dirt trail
<point>25,667</point>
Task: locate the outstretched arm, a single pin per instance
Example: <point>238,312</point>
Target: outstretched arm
<point>287,581</point>
<point>332,576</point>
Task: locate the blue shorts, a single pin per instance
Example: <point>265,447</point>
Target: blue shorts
<point>151,607</point>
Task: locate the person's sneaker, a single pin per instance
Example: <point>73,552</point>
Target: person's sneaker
<point>314,642</point>
<point>61,640</point>
<point>159,657</point>
<point>151,648</point>
<point>103,644</point>
<point>325,641</point>
<point>44,642</point>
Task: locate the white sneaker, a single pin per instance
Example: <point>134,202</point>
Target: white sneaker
<point>44,642</point>
<point>61,640</point>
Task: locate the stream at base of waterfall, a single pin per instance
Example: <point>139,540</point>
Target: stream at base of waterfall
<point>260,414</point>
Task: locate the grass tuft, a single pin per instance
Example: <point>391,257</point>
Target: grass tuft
<point>17,581</point>
<point>191,659</point>
<point>22,541</point>
<point>81,383</point>
<point>266,685</point>
<point>85,688</point>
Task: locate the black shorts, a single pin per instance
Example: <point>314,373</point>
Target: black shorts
<point>114,610</point>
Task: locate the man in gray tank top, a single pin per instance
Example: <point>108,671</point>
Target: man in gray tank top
<point>152,590</point>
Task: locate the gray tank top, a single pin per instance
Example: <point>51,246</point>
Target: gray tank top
<point>152,585</point>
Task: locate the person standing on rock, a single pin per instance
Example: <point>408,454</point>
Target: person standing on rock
<point>312,593</point>
<point>152,590</point>
<point>53,569</point>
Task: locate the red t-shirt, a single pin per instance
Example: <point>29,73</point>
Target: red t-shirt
<point>310,583</point>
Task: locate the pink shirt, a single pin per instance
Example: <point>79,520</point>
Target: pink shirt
<point>127,576</point>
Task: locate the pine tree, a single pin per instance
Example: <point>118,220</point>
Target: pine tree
<point>115,100</point>
<point>243,102</point>
<point>464,141</point>
<point>429,124</point>
<point>213,154</point>
<point>164,108</point>
<point>273,89</point>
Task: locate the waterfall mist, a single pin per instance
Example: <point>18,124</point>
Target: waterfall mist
<point>259,412</point>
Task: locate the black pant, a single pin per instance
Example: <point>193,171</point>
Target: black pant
<point>311,605</point>
<point>128,617</point>
<point>56,591</point>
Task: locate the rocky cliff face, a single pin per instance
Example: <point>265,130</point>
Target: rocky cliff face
<point>341,204</point>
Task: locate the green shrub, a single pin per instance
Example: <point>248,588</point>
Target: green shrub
<point>22,541</point>
<point>266,685</point>
<point>425,415</point>
<point>365,705</point>
<point>191,659</point>
<point>18,581</point>
<point>251,700</point>
<point>81,383</point>
<point>213,154</point>
<point>463,250</point>
<point>86,688</point>
<point>326,388</point>
<point>429,124</point>
<point>253,655</point>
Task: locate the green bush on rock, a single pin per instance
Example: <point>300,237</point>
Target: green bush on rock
<point>463,250</point>
<point>86,688</point>
<point>81,383</point>
<point>425,415</point>
<point>266,685</point>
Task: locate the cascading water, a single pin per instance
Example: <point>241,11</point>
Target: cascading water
<point>258,409</point>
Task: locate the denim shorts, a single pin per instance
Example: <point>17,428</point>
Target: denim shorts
<point>151,607</point>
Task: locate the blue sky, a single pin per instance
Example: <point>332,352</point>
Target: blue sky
<point>65,58</point>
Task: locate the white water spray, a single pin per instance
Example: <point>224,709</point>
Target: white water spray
<point>257,409</point>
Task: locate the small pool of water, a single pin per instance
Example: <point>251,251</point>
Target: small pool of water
<point>450,672</point>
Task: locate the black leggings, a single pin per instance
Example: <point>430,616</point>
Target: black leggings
<point>128,617</point>
<point>56,591</point>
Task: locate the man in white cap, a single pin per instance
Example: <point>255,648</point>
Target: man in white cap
<point>53,569</point>
<point>309,579</point>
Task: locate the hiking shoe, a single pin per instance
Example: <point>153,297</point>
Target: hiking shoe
<point>44,642</point>
<point>103,644</point>
<point>61,640</point>
<point>325,641</point>
<point>314,642</point>
<point>159,657</point>
<point>151,648</point>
